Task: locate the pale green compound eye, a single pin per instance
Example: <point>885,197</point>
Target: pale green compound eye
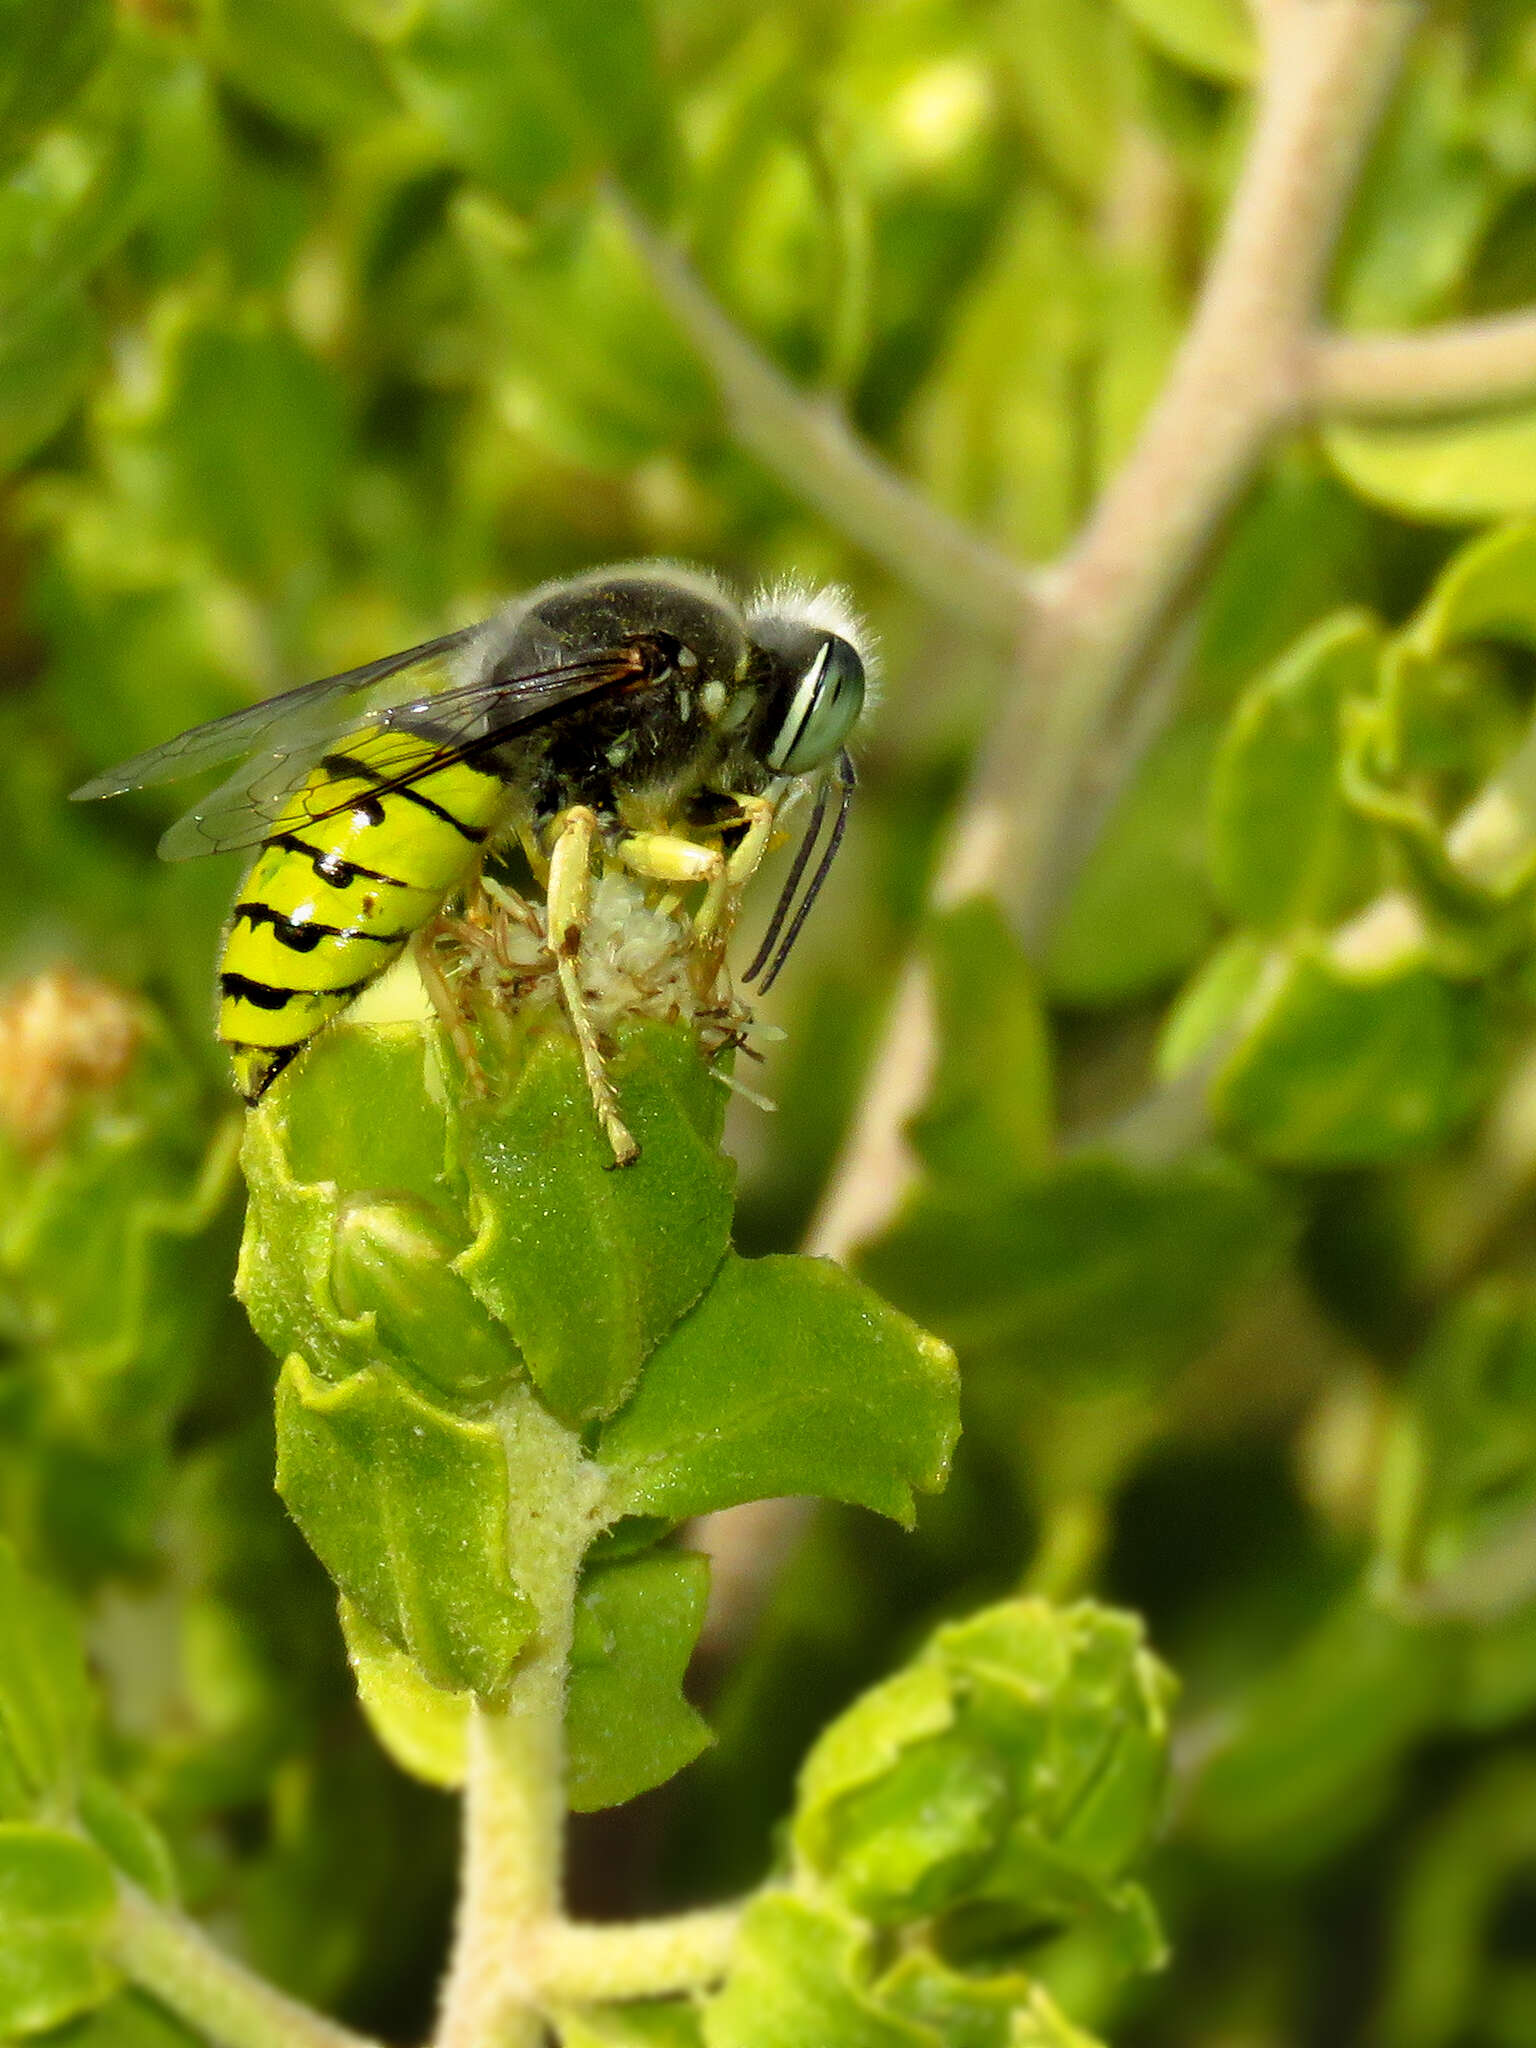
<point>822,710</point>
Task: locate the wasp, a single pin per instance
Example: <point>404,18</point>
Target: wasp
<point>635,715</point>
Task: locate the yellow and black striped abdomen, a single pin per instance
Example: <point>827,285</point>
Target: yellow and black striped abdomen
<point>331,899</point>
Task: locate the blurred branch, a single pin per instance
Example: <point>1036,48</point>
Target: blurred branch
<point>806,441</point>
<point>1231,390</point>
<point>1104,612</point>
<point>1101,620</point>
<point>176,1963</point>
<point>1443,369</point>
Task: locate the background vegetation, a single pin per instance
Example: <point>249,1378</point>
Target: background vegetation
<point>325,325</point>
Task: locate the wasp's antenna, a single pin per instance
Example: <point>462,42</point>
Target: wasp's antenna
<point>846,783</point>
<point>791,884</point>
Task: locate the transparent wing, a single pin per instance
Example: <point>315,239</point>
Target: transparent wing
<point>299,721</point>
<point>301,726</point>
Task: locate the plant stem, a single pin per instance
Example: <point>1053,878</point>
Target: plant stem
<point>513,1852</point>
<point>175,1962</point>
<point>1460,368</point>
<point>1101,616</point>
<point>641,1959</point>
<point>514,1824</point>
<point>1231,390</point>
<point>807,442</point>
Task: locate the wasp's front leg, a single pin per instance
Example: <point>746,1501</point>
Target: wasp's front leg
<point>567,907</point>
<point>668,857</point>
<point>717,913</point>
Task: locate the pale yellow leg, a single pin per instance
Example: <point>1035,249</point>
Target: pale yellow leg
<point>668,857</point>
<point>568,904</point>
<point>450,1012</point>
<point>759,812</point>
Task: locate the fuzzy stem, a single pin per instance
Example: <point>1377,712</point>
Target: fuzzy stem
<point>1231,390</point>
<point>806,441</point>
<point>514,1825</point>
<point>513,1852</point>
<point>175,1962</point>
<point>1461,368</point>
<point>577,1965</point>
<point>1092,640</point>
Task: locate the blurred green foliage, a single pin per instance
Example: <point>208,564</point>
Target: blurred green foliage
<point>319,332</point>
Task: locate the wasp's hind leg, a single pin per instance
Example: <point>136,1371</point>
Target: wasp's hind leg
<point>445,1002</point>
<point>568,904</point>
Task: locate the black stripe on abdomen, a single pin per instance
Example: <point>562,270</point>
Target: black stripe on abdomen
<point>347,767</point>
<point>330,867</point>
<point>261,995</point>
<point>300,936</point>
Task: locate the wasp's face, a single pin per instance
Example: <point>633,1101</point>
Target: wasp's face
<point>812,685</point>
<point>823,705</point>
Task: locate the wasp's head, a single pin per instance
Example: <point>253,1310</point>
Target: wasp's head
<point>813,675</point>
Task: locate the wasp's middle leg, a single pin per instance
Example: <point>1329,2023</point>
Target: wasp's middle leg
<point>567,907</point>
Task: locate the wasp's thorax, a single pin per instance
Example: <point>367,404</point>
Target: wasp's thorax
<point>724,703</point>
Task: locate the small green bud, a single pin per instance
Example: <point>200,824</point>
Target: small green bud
<point>392,1260</point>
<point>1016,1764</point>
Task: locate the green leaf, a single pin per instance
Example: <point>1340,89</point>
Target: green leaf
<point>424,1728</point>
<point>300,63</point>
<point>56,1904</point>
<point>1301,548</point>
<point>995,438</point>
<point>407,1507</point>
<point>48,49</point>
<point>969,2011</point>
<point>628,1727</point>
<point>1284,848</point>
<point>919,1836</point>
<point>1061,58</point>
<point>1472,1411</point>
<point>1141,913</point>
<point>1318,1736</point>
<point>64,207</point>
<point>658,2023</point>
<point>988,1114</point>
<point>347,1255</point>
<point>1348,1069</point>
<point>135,1845</point>
<point>250,445</point>
<point>595,366</point>
<point>532,94</point>
<point>130,2019</point>
<point>801,1977</point>
<point>1464,1868</point>
<point>789,1377</point>
<point>1214,37</point>
<point>46,358</point>
<point>867,1740</point>
<point>1097,1272</point>
<point>1077,1705</point>
<point>1020,1760</point>
<point>45,1702</point>
<point>1487,591</point>
<point>391,1263</point>
<point>1208,1007</point>
<point>588,1268</point>
<point>1455,473</point>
